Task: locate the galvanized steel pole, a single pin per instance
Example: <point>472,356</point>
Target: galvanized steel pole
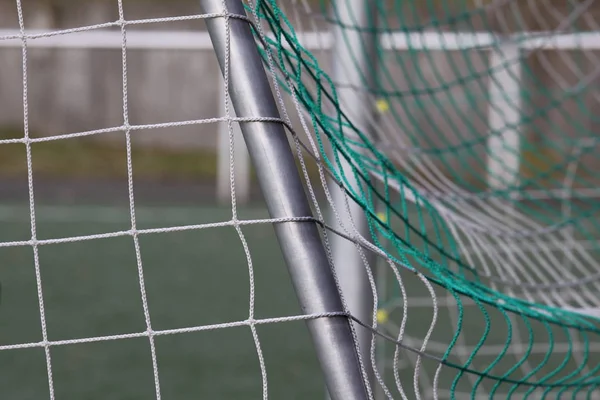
<point>281,185</point>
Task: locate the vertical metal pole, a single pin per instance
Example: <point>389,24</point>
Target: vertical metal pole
<point>284,194</point>
<point>504,146</point>
<point>354,54</point>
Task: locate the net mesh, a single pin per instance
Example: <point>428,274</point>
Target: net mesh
<point>486,268</point>
<point>473,170</point>
<point>147,385</point>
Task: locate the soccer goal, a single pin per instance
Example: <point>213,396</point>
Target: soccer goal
<point>427,225</point>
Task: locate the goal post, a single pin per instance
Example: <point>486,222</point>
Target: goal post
<point>241,163</point>
<point>504,117</point>
<point>382,277</point>
<point>277,174</point>
<point>354,54</point>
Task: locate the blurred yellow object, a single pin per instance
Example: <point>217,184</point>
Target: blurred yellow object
<point>381,217</point>
<point>382,316</point>
<point>382,106</point>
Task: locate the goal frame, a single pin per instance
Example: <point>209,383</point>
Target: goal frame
<point>270,153</point>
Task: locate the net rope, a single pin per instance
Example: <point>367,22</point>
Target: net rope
<point>517,274</point>
<point>133,231</point>
<point>481,284</point>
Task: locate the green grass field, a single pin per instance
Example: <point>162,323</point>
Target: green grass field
<point>192,278</point>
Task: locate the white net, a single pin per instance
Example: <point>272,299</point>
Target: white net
<point>81,371</point>
<point>165,301</point>
<point>472,90</point>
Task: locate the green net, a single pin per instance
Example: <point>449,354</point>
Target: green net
<point>477,178</point>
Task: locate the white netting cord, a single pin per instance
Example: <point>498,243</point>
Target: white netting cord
<point>362,243</point>
<point>480,227</point>
<point>489,230</point>
<point>484,223</point>
<point>313,150</point>
<point>553,267</point>
<point>163,332</point>
<point>34,245</point>
<point>251,302</point>
<point>134,232</point>
<point>136,243</point>
<point>354,235</point>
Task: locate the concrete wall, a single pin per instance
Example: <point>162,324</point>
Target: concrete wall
<point>80,90</point>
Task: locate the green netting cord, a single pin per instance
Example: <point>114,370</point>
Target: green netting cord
<point>424,242</point>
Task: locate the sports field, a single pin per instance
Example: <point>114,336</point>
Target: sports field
<point>193,278</point>
<point>196,277</point>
